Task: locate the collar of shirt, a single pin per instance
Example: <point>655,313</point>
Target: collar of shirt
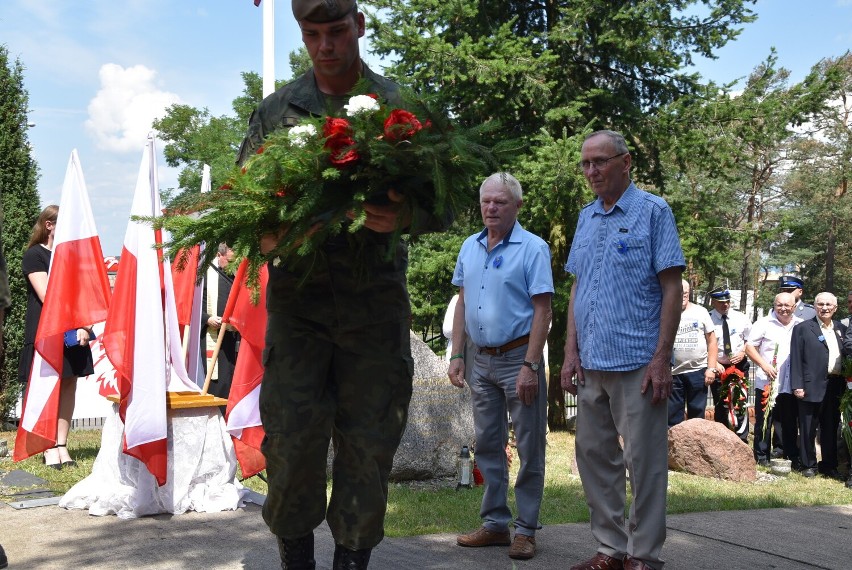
<point>507,239</point>
<point>624,203</point>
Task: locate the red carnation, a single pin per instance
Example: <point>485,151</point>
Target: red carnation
<point>373,95</point>
<point>401,125</point>
<point>226,186</point>
<point>260,149</point>
<point>339,142</point>
<point>282,192</point>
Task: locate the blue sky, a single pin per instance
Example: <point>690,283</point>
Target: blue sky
<point>98,72</point>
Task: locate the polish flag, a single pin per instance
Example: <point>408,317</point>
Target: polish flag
<point>188,298</point>
<point>242,416</point>
<point>141,337</point>
<point>77,296</point>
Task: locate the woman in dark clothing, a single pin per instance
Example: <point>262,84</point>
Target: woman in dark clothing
<point>77,358</point>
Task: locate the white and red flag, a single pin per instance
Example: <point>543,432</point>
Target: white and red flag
<point>77,296</point>
<point>141,337</point>
<point>242,416</point>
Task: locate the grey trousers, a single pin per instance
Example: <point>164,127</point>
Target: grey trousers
<point>609,404</point>
<point>492,385</point>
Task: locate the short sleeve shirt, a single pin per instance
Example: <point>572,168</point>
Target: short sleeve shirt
<point>690,345</point>
<point>499,284</point>
<point>616,257</point>
<point>772,341</point>
<point>739,327</point>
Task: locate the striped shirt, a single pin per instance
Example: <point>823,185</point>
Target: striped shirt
<point>616,257</point>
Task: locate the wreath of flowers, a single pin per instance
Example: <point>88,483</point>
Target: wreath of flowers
<point>734,392</point>
<point>313,180</point>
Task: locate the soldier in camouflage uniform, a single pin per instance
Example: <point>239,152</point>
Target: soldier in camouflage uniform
<point>338,357</point>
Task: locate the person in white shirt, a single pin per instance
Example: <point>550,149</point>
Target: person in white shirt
<point>693,361</point>
<point>769,348</point>
<point>732,330</point>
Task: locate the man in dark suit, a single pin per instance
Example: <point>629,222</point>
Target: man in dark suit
<point>815,374</point>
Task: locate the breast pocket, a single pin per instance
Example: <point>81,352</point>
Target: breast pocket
<point>632,253</point>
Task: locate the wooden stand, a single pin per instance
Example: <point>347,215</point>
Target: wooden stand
<point>184,400</point>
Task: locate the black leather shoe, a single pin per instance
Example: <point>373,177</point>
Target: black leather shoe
<point>345,559</point>
<point>763,462</point>
<point>797,465</point>
<point>832,474</point>
<point>297,553</point>
<point>776,453</point>
<point>4,562</point>
<point>809,472</point>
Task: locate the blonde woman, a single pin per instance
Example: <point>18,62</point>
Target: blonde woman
<point>77,358</point>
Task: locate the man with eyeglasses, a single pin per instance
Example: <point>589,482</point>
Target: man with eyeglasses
<point>769,348</point>
<point>732,330</point>
<point>622,319</point>
<point>815,372</point>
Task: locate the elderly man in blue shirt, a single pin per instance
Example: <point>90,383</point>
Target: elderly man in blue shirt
<point>505,288</point>
<point>622,319</point>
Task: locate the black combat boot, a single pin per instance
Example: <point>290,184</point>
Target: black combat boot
<point>297,553</point>
<point>345,559</point>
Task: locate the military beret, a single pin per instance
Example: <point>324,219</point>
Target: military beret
<point>321,11</point>
<point>790,282</point>
<point>720,294</point>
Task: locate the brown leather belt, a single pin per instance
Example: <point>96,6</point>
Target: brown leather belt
<point>498,350</point>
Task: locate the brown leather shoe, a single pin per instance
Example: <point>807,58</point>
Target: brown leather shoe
<point>523,547</point>
<point>600,562</point>
<point>484,537</point>
<point>635,564</point>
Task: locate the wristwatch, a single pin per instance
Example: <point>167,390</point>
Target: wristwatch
<point>534,366</point>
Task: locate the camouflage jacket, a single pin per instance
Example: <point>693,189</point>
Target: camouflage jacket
<point>347,282</point>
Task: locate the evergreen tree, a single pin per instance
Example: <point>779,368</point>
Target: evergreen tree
<point>20,204</point>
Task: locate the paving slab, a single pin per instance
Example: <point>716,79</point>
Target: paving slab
<point>52,537</point>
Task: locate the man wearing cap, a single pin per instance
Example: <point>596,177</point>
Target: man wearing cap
<point>338,357</point>
<point>622,319</point>
<point>815,374</point>
<point>732,330</point>
<point>505,286</point>
<point>794,285</point>
<point>693,361</point>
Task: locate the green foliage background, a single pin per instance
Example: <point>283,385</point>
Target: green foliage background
<point>20,203</point>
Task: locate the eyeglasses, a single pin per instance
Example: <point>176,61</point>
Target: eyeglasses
<point>599,164</point>
<point>825,304</point>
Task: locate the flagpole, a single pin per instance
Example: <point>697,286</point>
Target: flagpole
<point>268,47</point>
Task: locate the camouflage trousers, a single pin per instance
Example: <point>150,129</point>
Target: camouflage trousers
<point>352,386</point>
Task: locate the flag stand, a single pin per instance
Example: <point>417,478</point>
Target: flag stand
<point>185,400</point>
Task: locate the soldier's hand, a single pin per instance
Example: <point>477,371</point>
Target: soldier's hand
<point>385,218</point>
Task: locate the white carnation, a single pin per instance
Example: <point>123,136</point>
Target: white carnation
<point>301,133</point>
<point>361,104</point>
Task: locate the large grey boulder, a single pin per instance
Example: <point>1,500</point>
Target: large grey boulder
<point>440,420</point>
<point>710,449</point>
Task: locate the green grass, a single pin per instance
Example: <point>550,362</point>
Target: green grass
<point>416,508</point>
